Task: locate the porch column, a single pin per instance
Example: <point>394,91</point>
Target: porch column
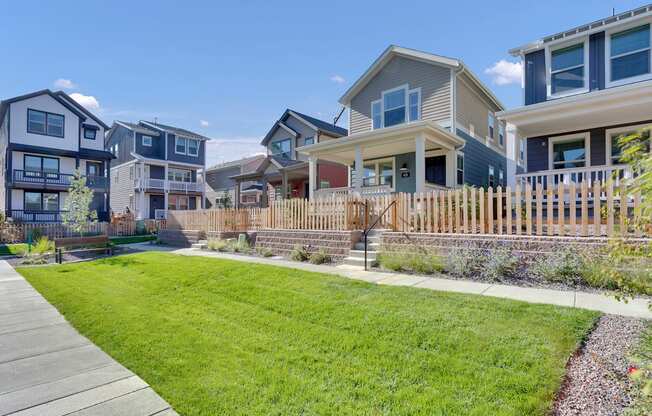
<point>264,201</point>
<point>236,195</point>
<point>284,186</point>
<point>451,168</point>
<point>420,163</point>
<point>359,174</point>
<point>312,176</point>
<point>165,187</point>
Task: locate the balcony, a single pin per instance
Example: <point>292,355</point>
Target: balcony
<point>167,185</point>
<point>42,179</point>
<point>21,215</point>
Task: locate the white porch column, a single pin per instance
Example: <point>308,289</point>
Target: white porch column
<point>312,176</point>
<point>420,163</point>
<point>284,186</point>
<point>165,187</point>
<point>451,168</point>
<point>359,170</point>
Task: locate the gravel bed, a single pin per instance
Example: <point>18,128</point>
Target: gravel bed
<point>596,381</point>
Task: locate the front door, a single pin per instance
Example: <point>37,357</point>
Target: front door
<point>436,170</point>
<point>155,202</point>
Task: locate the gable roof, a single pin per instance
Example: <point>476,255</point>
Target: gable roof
<point>242,163</point>
<point>81,108</point>
<point>430,58</point>
<point>136,128</point>
<point>585,29</point>
<point>316,124</point>
<point>4,104</point>
<point>174,130</point>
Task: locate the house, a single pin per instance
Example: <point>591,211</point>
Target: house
<point>221,187</point>
<point>44,137</point>
<point>417,121</point>
<point>156,168</point>
<point>284,172</point>
<point>583,89</point>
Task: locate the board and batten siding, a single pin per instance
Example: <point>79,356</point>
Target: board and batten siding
<point>434,81</point>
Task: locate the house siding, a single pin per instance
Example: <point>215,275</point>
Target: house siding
<point>537,154</point>
<point>433,80</point>
<point>174,157</point>
<point>477,158</point>
<point>304,131</point>
<point>473,108</point>
<point>122,188</point>
<point>535,77</point>
<point>596,61</point>
<point>124,138</point>
<point>405,184</point>
<point>598,144</point>
<point>155,151</point>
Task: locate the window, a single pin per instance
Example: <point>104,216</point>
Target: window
<point>41,201</point>
<point>567,69</point>
<point>568,152</point>
<point>414,99</point>
<point>90,134</point>
<point>501,134</point>
<point>460,169</point>
<point>324,184</point>
<point>93,169</point>
<point>491,122</point>
<point>179,175</point>
<point>376,114</point>
<point>394,107</point>
<point>614,135</point>
<point>629,53</point>
<point>521,149</point>
<point>180,145</point>
<point>193,147</point>
<point>38,166</point>
<point>282,148</point>
<point>178,202</point>
<point>308,141</point>
<point>147,141</point>
<point>40,122</point>
<point>491,177</point>
<point>378,172</point>
<point>501,177</point>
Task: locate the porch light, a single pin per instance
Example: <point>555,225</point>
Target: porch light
<point>404,168</point>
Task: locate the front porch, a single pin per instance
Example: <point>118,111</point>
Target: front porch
<point>411,158</point>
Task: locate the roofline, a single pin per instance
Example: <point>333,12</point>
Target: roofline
<point>49,92</point>
<point>465,70</point>
<point>234,163</point>
<point>585,29</point>
<point>122,123</point>
<point>83,109</point>
<point>158,126</point>
<point>374,68</point>
<point>165,162</point>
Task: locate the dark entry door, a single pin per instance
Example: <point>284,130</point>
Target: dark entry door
<point>306,190</point>
<point>436,170</point>
<point>155,202</point>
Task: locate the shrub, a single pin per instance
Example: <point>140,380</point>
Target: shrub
<point>217,245</point>
<point>299,253</point>
<point>241,246</point>
<point>264,251</point>
<point>423,263</point>
<point>563,266</point>
<point>499,263</point>
<point>624,267</point>
<point>465,262</point>
<point>36,234</point>
<point>391,260</point>
<point>43,246</point>
<point>319,257</point>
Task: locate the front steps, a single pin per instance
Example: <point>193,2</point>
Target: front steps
<point>355,259</point>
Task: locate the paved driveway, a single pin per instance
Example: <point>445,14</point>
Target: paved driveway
<point>48,369</point>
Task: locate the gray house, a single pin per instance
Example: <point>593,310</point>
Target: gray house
<point>156,168</point>
<point>417,121</point>
<point>221,191</point>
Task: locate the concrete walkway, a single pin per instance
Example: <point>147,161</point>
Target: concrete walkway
<point>48,369</point>
<point>637,308</point>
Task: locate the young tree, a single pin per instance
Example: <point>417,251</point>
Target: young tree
<point>77,206</point>
<point>226,199</point>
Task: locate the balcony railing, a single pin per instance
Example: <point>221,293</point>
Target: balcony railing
<point>23,215</point>
<point>38,177</point>
<point>172,186</point>
<point>365,190</point>
<point>590,174</point>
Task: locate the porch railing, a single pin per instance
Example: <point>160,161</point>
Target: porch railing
<point>173,186</point>
<point>365,190</point>
<point>38,177</point>
<point>40,216</point>
<point>591,174</point>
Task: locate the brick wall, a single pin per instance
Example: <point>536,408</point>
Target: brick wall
<point>336,243</point>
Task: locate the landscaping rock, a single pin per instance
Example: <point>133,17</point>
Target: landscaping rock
<point>596,380</point>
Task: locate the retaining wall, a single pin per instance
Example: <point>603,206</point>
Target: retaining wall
<point>281,242</point>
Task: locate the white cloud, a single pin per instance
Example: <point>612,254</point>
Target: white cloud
<point>204,123</point>
<point>231,148</point>
<point>337,79</point>
<point>65,84</point>
<point>87,101</point>
<point>505,72</point>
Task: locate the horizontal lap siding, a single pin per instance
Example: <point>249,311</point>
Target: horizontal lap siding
<point>473,108</point>
<point>433,80</point>
<point>477,158</point>
<point>122,189</point>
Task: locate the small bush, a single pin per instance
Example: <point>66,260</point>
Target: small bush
<point>563,266</point>
<point>391,261</point>
<point>241,246</point>
<point>319,257</point>
<point>422,263</point>
<point>264,251</point>
<point>299,253</point>
<point>464,262</point>
<point>43,246</point>
<point>217,245</point>
<point>499,263</point>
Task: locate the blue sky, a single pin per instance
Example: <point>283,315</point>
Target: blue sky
<point>229,69</point>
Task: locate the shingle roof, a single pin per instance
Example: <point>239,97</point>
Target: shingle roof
<point>323,125</point>
<point>283,162</point>
<point>239,162</point>
<point>176,130</point>
<point>137,128</point>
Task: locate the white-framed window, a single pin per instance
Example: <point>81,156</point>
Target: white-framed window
<point>378,172</point>
<point>147,141</point>
<point>491,176</point>
<point>614,151</point>
<point>521,149</point>
<point>569,151</point>
<point>501,177</point>
<point>193,147</point>
<point>308,141</point>
<point>180,145</point>
<point>179,175</point>
<point>282,148</point>
<point>628,55</point>
<point>501,134</point>
<point>324,184</point>
<point>491,122</point>
<point>460,168</point>
<point>567,68</point>
<point>397,106</point>
<point>90,134</point>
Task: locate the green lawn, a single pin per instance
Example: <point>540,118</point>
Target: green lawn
<point>224,337</point>
<point>132,239</point>
<point>13,249</point>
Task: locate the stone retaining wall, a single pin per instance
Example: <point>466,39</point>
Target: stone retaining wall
<point>281,242</point>
<point>180,238</point>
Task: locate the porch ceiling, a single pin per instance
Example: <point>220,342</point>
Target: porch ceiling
<point>619,105</point>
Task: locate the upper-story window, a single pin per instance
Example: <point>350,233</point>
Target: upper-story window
<point>501,134</point>
<point>185,146</point>
<point>308,141</point>
<point>147,141</point>
<point>397,106</point>
<point>629,55</point>
<point>41,122</point>
<point>567,72</point>
<point>193,147</point>
<point>180,145</point>
<point>90,134</point>
<point>491,122</point>
<point>282,148</point>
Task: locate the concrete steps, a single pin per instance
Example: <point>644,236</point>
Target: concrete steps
<point>355,259</point>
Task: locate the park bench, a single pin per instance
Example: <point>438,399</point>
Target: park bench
<point>98,242</point>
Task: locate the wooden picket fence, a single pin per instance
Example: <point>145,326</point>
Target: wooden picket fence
<point>565,210</point>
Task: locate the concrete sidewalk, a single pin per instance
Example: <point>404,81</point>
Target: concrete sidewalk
<point>637,308</point>
<point>48,368</point>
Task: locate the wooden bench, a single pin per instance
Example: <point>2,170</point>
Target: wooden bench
<point>76,242</point>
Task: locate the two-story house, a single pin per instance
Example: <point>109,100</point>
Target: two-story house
<point>417,121</point>
<point>583,89</point>
<point>284,172</point>
<point>221,189</point>
<point>156,168</point>
<point>44,137</point>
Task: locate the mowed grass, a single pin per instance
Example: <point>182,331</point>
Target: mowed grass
<point>225,337</point>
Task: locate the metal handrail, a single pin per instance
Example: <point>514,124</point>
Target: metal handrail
<point>371,227</point>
